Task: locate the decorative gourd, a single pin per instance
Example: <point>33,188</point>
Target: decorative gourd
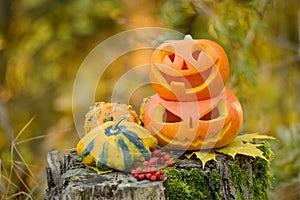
<point>189,70</point>
<point>195,125</point>
<point>116,144</point>
<point>102,112</point>
<point>143,108</point>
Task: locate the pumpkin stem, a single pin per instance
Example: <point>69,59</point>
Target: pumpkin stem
<point>188,37</point>
<point>116,124</point>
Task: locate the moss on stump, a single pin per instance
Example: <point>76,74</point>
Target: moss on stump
<point>242,178</point>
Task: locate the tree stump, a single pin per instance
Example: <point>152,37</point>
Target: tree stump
<point>243,177</point>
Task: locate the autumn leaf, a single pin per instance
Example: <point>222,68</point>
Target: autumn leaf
<point>251,137</point>
<point>242,144</point>
<point>244,148</point>
<point>99,172</point>
<point>204,156</point>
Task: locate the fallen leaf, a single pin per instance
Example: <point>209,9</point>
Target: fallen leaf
<point>99,172</point>
<point>242,144</point>
<point>244,148</point>
<point>204,156</point>
<point>251,137</point>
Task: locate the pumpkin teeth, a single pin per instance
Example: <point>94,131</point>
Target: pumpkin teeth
<point>178,88</point>
<point>190,81</point>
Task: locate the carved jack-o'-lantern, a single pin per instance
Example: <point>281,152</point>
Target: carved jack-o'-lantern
<point>195,125</point>
<point>189,70</point>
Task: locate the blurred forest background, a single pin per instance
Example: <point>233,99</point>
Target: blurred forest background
<point>43,43</point>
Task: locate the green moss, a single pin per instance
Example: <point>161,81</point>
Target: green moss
<point>216,181</point>
<point>194,183</point>
<point>262,175</point>
<point>267,151</point>
<point>184,184</point>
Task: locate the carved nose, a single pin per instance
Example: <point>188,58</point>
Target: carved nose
<point>191,125</point>
<point>184,66</point>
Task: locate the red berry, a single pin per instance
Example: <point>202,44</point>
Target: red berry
<point>153,161</point>
<point>148,176</point>
<point>141,176</point>
<point>138,170</point>
<point>161,171</point>
<point>153,178</point>
<point>133,172</point>
<point>163,154</point>
<point>153,170</point>
<point>157,174</point>
<point>170,163</point>
<point>160,178</point>
<point>146,163</point>
<point>156,153</point>
<point>148,169</point>
<point>136,176</point>
<point>166,157</point>
<point>161,161</point>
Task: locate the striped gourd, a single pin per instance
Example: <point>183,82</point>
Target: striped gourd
<point>116,145</point>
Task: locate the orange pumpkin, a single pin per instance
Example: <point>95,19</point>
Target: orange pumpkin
<point>189,70</point>
<point>102,112</point>
<point>195,125</point>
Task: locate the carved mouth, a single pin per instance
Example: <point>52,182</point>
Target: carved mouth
<point>191,83</point>
<point>190,142</point>
<point>211,121</point>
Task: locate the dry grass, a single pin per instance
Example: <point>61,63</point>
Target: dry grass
<point>18,179</point>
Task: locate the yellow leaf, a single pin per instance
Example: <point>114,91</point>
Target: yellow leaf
<point>99,172</point>
<point>242,144</point>
<point>244,148</point>
<point>265,137</point>
<point>204,156</point>
<point>251,137</point>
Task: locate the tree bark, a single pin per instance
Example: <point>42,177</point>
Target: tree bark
<point>226,178</point>
<point>71,180</point>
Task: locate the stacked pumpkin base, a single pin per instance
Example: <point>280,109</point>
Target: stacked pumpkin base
<point>224,178</point>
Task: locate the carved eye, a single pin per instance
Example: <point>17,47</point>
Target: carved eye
<point>163,115</point>
<point>196,54</point>
<point>219,110</point>
<point>172,57</point>
<point>213,114</point>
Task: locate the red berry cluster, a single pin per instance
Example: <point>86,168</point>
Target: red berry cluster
<point>151,173</point>
<point>152,168</point>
